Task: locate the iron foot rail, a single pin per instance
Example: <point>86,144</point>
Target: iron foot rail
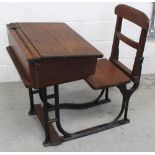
<point>95,129</point>
<point>74,106</point>
<point>83,105</point>
<point>55,139</point>
<point>80,106</point>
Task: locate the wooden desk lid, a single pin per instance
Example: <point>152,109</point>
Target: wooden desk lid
<point>53,40</point>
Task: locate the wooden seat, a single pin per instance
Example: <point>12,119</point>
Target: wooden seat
<point>107,75</point>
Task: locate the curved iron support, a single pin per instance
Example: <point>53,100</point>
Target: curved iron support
<point>57,107</point>
<point>126,93</point>
<point>69,136</point>
<point>57,112</point>
<point>93,103</point>
<point>50,106</point>
<point>120,113</point>
<point>77,106</point>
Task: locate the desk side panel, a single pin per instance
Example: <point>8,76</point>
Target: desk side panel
<point>17,50</point>
<point>51,72</point>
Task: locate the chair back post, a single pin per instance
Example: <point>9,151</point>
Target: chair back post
<point>115,46</point>
<point>137,67</point>
<point>139,18</point>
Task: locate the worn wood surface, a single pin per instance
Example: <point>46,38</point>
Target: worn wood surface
<point>107,75</point>
<point>21,70</point>
<point>50,53</point>
<point>53,72</point>
<point>133,15</point>
<point>127,40</point>
<point>56,40</point>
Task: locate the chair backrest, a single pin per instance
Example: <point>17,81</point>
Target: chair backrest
<point>139,18</point>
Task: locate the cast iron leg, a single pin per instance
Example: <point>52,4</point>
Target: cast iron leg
<point>57,112</point>
<point>45,107</point>
<point>126,110</point>
<point>126,97</point>
<point>107,95</point>
<point>32,111</point>
<point>50,106</point>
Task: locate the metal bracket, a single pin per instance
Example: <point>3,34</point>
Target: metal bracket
<point>12,26</point>
<point>141,59</point>
<point>37,61</point>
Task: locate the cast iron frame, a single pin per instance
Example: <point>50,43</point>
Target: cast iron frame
<point>48,123</point>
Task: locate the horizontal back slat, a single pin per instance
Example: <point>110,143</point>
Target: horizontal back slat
<point>127,40</point>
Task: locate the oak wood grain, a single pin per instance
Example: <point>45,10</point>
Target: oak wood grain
<point>57,40</point>
<point>107,75</point>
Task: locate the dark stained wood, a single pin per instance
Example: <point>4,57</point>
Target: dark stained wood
<point>32,51</point>
<point>139,18</point>
<point>54,137</point>
<point>113,72</point>
<point>122,67</point>
<point>17,62</point>
<point>107,75</point>
<point>50,53</point>
<point>53,72</point>
<point>127,40</point>
<point>39,113</point>
<point>115,45</point>
<point>132,15</point>
<point>136,72</point>
<point>58,38</point>
<point>20,58</point>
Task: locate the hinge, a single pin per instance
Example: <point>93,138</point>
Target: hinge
<point>37,61</point>
<point>12,26</point>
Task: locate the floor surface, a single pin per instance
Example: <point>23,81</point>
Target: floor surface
<point>20,132</point>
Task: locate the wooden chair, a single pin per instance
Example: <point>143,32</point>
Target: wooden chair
<point>112,72</point>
